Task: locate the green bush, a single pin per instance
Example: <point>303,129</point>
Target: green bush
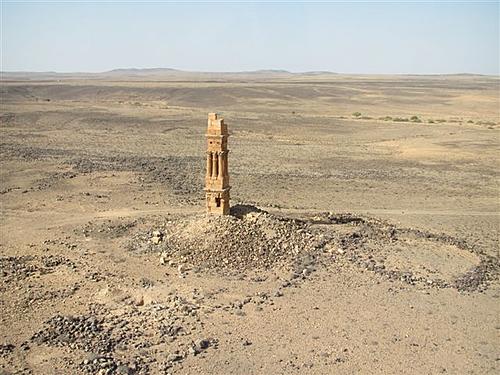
<point>400,119</point>
<point>356,114</point>
<point>415,119</point>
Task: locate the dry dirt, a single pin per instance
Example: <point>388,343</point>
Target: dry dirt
<point>362,239</point>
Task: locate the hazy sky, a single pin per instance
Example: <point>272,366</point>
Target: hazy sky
<point>361,37</point>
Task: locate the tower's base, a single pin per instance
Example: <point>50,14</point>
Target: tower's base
<point>217,201</point>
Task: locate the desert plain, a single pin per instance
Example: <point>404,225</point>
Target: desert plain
<point>363,239</point>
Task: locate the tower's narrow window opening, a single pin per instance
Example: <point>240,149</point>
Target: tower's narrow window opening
<point>217,202</point>
<point>216,162</point>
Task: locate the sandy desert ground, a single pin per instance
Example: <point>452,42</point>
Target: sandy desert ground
<point>364,236</point>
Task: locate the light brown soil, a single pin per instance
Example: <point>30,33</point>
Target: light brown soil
<point>404,284</point>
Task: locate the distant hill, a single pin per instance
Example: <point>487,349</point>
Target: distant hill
<point>170,74</point>
<point>138,71</point>
<point>270,71</point>
<point>153,73</point>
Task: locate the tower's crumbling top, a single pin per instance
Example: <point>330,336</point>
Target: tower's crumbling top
<point>216,125</point>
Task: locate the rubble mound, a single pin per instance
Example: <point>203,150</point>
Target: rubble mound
<point>251,239</point>
<point>248,240</point>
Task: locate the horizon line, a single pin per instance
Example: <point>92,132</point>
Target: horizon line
<point>276,71</point>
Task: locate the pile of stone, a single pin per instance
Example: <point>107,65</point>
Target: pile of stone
<point>106,365</point>
<point>6,349</point>
<point>478,278</point>
<point>83,332</point>
<point>254,240</point>
<point>17,268</point>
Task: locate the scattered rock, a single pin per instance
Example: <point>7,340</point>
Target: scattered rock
<point>174,357</point>
<point>6,349</point>
<point>139,301</point>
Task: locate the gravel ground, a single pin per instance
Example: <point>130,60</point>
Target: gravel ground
<point>357,244</point>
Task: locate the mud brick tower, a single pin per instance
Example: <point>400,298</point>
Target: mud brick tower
<point>217,177</point>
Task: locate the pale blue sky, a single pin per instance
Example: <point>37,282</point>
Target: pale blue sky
<point>361,37</point>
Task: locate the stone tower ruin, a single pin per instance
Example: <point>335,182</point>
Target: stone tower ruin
<point>217,176</point>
